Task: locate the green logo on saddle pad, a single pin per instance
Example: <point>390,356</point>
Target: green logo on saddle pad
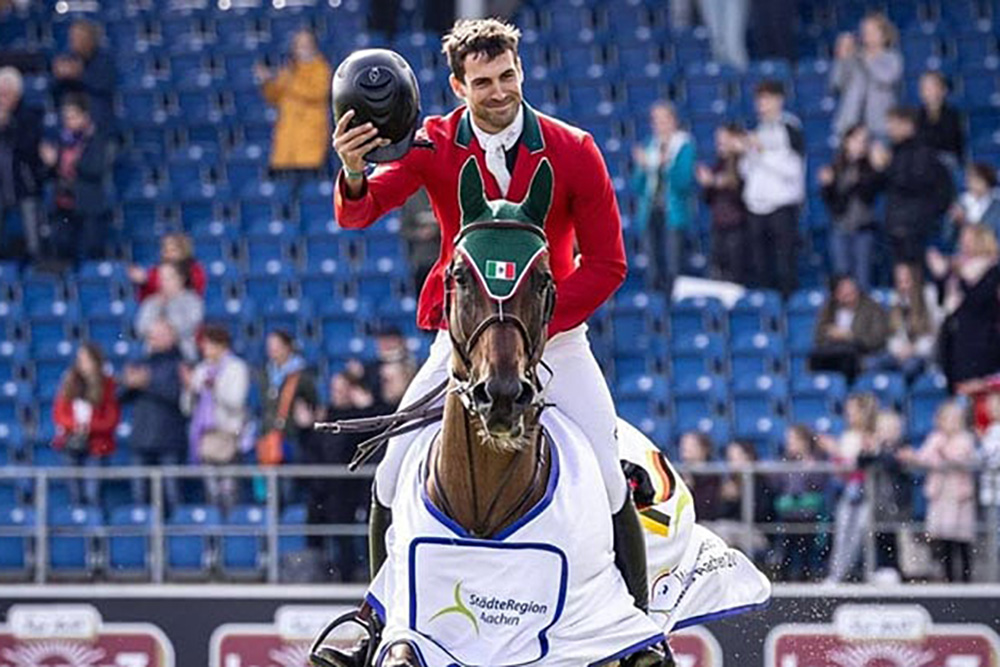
<point>458,608</point>
<point>502,255</point>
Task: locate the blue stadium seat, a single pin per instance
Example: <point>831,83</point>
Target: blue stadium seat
<point>73,550</point>
<point>927,394</point>
<point>889,388</point>
<point>293,520</point>
<point>16,549</point>
<point>696,315</point>
<point>761,427</point>
<point>128,552</point>
<point>757,352</point>
<point>242,556</point>
<point>757,310</point>
<point>191,555</point>
<point>698,353</point>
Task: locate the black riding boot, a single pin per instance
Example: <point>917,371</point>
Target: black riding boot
<point>630,559</point>
<point>379,520</point>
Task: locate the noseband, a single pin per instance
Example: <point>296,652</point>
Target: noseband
<point>464,345</point>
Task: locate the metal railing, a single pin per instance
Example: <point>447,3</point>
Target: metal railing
<point>271,530</point>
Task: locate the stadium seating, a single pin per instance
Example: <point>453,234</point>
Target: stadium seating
<point>242,556</point>
<point>191,552</point>
<point>16,543</point>
<point>73,543</point>
<point>128,553</point>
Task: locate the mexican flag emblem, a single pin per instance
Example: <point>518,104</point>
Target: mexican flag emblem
<point>500,270</point>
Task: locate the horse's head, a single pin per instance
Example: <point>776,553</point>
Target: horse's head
<point>499,300</point>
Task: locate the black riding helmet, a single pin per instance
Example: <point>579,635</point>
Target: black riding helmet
<point>381,88</point>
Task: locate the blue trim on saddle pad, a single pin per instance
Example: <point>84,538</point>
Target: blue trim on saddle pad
<point>625,652</point>
<point>725,613</point>
<point>377,605</point>
<point>543,639</point>
<point>538,508</point>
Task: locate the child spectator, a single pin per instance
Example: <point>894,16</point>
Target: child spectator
<point>696,449</point>
<point>722,187</point>
<point>729,523</point>
<point>86,414</point>
<point>849,188</point>
<point>177,248</point>
<point>980,203</point>
<point>989,481</point>
<point>800,503</point>
<point>950,489</point>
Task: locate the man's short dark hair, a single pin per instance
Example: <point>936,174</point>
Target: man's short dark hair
<point>906,114</point>
<point>218,334</point>
<point>770,87</point>
<point>487,36</point>
<point>985,171</point>
<point>78,100</point>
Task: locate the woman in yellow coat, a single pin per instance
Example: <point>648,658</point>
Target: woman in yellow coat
<point>301,94</point>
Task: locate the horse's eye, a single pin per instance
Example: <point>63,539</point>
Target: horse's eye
<point>544,284</point>
<point>461,276</point>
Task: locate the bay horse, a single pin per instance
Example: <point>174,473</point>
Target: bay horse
<point>490,463</point>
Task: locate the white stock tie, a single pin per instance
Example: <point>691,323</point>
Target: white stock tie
<point>495,146</point>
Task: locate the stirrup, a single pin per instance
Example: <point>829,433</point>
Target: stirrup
<point>363,655</point>
<point>658,655</point>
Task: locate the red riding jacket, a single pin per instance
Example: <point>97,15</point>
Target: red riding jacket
<point>583,217</point>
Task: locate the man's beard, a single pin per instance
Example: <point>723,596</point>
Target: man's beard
<point>497,118</point>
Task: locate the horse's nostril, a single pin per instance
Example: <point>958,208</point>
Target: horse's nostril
<point>481,395</point>
<point>527,394</point>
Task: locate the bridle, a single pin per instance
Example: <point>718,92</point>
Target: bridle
<point>464,344</point>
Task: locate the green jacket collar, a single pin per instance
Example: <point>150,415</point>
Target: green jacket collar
<point>531,135</point>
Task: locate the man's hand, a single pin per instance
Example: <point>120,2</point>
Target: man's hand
<point>826,175</point>
<point>880,157</point>
<point>49,154</point>
<point>353,144</point>
<point>846,46</point>
<point>705,176</point>
<point>834,332</point>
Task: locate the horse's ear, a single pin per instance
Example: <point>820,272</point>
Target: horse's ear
<point>471,196</point>
<point>536,205</point>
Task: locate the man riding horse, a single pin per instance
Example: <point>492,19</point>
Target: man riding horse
<point>508,140</point>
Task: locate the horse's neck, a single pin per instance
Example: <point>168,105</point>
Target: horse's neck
<point>470,487</point>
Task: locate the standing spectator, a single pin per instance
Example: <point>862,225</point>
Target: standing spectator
<point>852,517</point>
<point>940,124</point>
<point>989,481</point>
<point>86,414</point>
<point>88,71</point>
<point>849,188</point>
<point>287,381</point>
<point>849,328</point>
<point>773,28</point>
<point>79,163</point>
<point>722,186</point>
<point>216,395</point>
<point>301,93</point>
<point>729,523</point>
<point>394,378</point>
<point>866,78</point>
<point>774,173</point>
<point>159,429</point>
<point>175,247</point>
<point>726,21</point>
<point>980,203</point>
<point>918,188</point>
<point>969,341</point>
<point>663,180</point>
<point>912,325</point>
<point>696,449</point>
<point>800,502</point>
<point>949,488</point>
<point>423,236</point>
<point>892,486</point>
<point>21,168</point>
<point>181,307</point>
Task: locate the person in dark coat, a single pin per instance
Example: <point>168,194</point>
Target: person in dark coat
<point>87,70</point>
<point>159,428</point>
<point>940,124</point>
<point>79,163</point>
<point>850,327</point>
<point>21,170</point>
<point>969,341</point>
<point>918,188</point>
<point>849,188</point>
<point>722,188</point>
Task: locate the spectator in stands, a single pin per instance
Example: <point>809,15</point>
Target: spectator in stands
<point>892,485</point>
<point>913,325</point>
<point>980,203</point>
<point>726,21</point>
<point>87,70</point>
<point>159,429</point>
<point>773,170</point>
<point>181,307</point>
<point>849,187</point>
<point>729,522</point>
<point>390,348</point>
<point>86,414</point>
<point>696,449</point>
<point>722,187</point>
<point>175,247</point>
<point>989,456</point>
<point>341,501</point>
<point>287,381</point>
<point>918,188</point>
<point>949,487</point>
<point>216,394</point>
<point>800,499</point>
<point>940,123</point>
<point>394,378</point>
<point>663,180</point>
<point>301,93</point>
<point>79,164</point>
<point>21,168</point>
<point>773,28</point>
<point>423,236</point>
<point>850,327</point>
<point>852,516</point>
<point>866,77</point>
<point>969,342</point>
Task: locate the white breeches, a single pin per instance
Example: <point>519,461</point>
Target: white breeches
<point>577,388</point>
